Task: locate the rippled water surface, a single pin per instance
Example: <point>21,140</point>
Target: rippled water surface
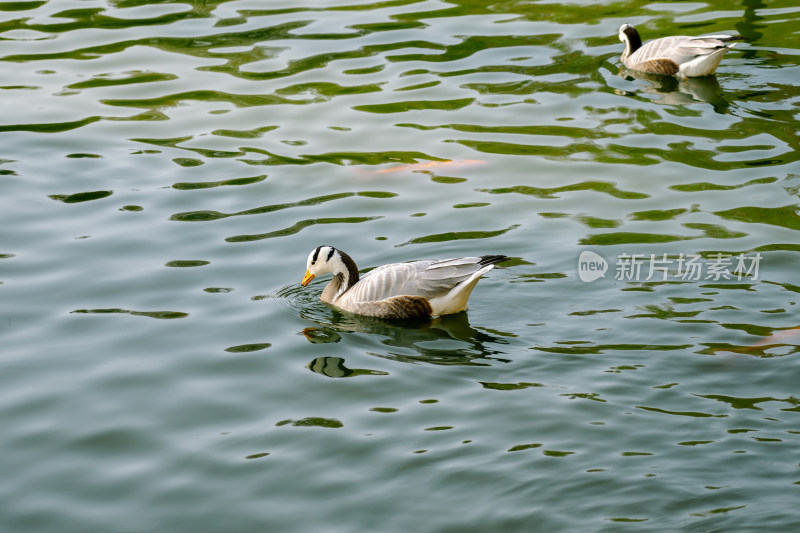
<point>166,167</point>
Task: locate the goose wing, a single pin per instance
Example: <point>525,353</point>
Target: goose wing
<point>419,278</point>
<point>679,49</point>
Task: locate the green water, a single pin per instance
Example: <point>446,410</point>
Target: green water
<point>166,167</point>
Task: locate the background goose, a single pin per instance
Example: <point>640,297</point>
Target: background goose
<point>681,55</point>
<point>398,290</point>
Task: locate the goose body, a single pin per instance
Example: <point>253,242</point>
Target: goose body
<point>398,290</point>
<point>679,55</point>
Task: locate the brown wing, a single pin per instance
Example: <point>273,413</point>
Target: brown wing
<point>658,66</point>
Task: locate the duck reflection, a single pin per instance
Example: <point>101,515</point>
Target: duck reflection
<point>671,90</point>
<point>334,367</point>
<point>447,340</point>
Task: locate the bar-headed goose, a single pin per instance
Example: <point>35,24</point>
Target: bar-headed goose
<point>681,55</point>
<point>398,290</point>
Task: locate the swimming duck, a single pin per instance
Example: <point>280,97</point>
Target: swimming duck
<point>681,55</point>
<point>398,290</point>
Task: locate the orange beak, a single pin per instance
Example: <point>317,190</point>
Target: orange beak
<point>307,278</point>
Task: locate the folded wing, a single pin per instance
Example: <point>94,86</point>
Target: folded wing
<point>430,279</point>
<point>679,49</point>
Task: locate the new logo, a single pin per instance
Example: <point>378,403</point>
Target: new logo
<point>591,266</point>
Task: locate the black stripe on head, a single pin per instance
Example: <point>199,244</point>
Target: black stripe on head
<point>330,254</point>
<point>316,254</point>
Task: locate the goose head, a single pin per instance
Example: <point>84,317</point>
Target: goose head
<point>328,260</point>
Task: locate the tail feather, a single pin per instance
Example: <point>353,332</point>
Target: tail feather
<point>491,259</point>
<point>455,300</point>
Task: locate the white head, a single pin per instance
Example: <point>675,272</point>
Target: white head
<point>323,260</point>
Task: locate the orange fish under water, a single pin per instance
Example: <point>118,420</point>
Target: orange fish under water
<point>431,165</point>
<point>782,336</point>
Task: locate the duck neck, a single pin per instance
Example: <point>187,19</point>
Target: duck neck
<point>343,279</point>
<point>632,42</point>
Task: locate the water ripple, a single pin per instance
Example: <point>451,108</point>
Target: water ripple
<point>451,126</point>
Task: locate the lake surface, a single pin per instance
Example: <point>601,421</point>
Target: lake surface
<point>166,167</point>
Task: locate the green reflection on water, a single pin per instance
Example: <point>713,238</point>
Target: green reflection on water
<point>299,226</point>
<point>170,106</point>
<point>81,196</point>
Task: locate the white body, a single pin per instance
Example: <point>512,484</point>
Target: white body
<point>680,55</point>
